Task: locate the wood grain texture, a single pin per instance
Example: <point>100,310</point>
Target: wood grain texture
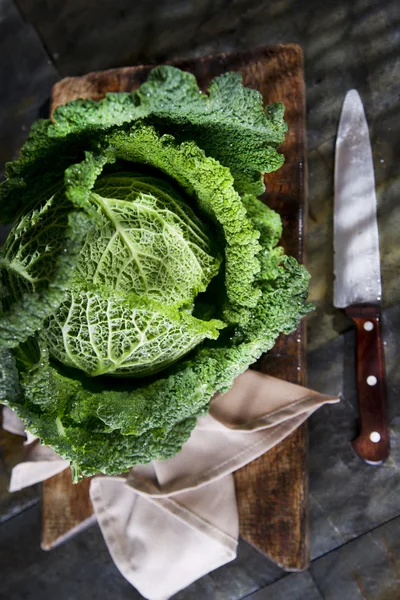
<point>371,394</point>
<point>272,490</point>
<point>66,509</point>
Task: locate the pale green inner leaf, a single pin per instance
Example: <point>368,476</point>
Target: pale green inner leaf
<point>145,244</point>
<point>116,336</point>
<point>139,271</point>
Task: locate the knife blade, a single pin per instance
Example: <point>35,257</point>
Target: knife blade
<point>357,285</point>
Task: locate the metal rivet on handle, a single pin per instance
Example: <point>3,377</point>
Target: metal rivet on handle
<point>372,380</point>
<point>368,325</point>
<point>375,437</point>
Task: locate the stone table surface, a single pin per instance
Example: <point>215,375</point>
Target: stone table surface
<point>355,508</point>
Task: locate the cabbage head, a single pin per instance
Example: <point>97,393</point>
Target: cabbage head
<point>141,274</point>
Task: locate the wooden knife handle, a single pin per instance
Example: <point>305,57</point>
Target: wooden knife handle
<point>372,444</point>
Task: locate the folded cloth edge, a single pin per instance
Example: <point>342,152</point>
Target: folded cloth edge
<point>279,415</point>
<point>150,488</point>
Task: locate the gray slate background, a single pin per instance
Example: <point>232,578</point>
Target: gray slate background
<point>355,508</point>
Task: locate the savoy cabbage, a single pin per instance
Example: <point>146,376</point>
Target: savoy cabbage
<point>141,274</point>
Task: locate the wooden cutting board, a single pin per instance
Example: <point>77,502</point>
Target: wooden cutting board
<point>272,491</point>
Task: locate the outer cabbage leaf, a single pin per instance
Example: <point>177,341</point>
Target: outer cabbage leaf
<point>229,124</point>
<point>104,450</point>
<point>269,224</point>
<point>41,168</point>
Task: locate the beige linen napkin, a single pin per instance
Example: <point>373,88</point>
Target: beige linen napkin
<point>41,462</point>
<point>170,522</point>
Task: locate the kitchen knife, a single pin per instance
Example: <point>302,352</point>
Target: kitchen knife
<point>357,286</point>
